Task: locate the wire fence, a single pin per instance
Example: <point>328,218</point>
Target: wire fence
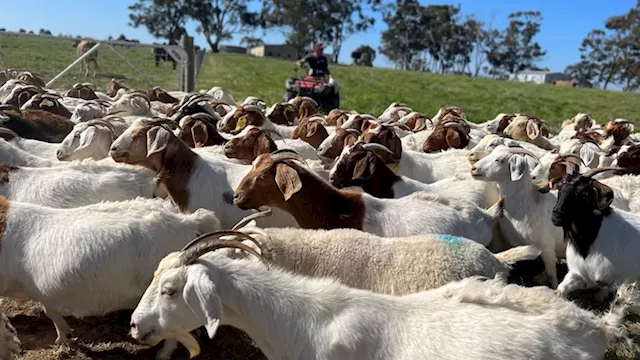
<point>139,66</point>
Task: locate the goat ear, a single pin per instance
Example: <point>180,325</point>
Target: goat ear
<point>350,140</point>
<point>47,103</point>
<point>200,295</point>
<point>604,195</point>
<point>517,166</point>
<point>288,180</point>
<point>453,139</point>
<point>363,169</point>
<point>420,125</point>
<point>587,154</point>
<point>312,128</point>
<point>296,132</point>
<point>263,145</point>
<point>199,134</point>
<point>533,130</point>
<point>157,139</point>
<point>86,137</point>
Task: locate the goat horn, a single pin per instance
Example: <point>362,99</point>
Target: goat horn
<point>376,146</point>
<point>8,134</point>
<point>596,171</point>
<point>245,220</point>
<point>522,151</point>
<point>141,95</point>
<point>102,122</point>
<point>157,121</point>
<point>565,156</point>
<point>353,131</point>
<point>286,154</point>
<point>457,125</point>
<point>190,256</point>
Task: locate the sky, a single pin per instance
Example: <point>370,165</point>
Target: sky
<point>565,24</point>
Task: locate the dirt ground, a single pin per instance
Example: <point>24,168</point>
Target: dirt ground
<point>37,334</point>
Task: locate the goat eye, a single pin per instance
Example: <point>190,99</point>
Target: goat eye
<point>77,135</point>
<point>261,177</point>
<point>168,292</point>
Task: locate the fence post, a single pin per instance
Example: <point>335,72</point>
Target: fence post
<point>186,42</point>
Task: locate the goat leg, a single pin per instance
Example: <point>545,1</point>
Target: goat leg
<point>63,330</point>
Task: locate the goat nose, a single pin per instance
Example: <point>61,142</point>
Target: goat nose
<point>474,168</point>
<point>134,325</point>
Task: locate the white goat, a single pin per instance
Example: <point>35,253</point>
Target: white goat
<point>91,139</point>
<point>77,184</point>
<point>42,149</point>
<point>105,253</point>
<point>526,212</point>
<point>296,317</point>
<point>491,141</point>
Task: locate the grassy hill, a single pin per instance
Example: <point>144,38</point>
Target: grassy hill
<point>363,89</point>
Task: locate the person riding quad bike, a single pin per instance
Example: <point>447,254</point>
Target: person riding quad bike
<point>319,84</point>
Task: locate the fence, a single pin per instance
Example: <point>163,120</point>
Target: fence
<point>140,66</point>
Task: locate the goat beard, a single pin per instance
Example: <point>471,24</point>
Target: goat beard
<point>190,342</point>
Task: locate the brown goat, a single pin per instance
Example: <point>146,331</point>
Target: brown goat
<point>282,114</point>
<point>243,116</point>
<point>277,180</point>
<point>50,103</point>
<point>529,129</point>
<point>249,146</point>
<point>450,135</point>
<point>304,106</point>
<point>311,131</point>
<point>81,48</point>
<point>504,121</point>
<point>385,135</point>
<point>114,86</point>
<point>35,124</point>
<point>161,95</point>
<point>619,129</point>
<point>415,121</point>
<point>28,77</point>
<point>82,91</point>
<point>365,169</point>
<point>336,117</point>
<point>448,112</point>
<point>200,130</point>
<point>341,139</point>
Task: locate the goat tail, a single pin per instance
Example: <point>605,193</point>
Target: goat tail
<point>518,253</point>
<point>627,300</point>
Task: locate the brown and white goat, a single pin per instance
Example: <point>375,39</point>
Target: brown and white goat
<point>332,146</point>
<point>159,94</point>
<point>82,91</point>
<point>311,131</point>
<point>620,129</point>
<point>199,130</point>
<point>337,117</point>
<point>114,86</point>
<point>282,114</point>
<point>282,180</point>
<point>253,141</point>
<point>48,102</point>
<point>529,129</point>
<point>304,106</point>
<point>447,135</point>
<point>28,77</point>
<point>385,135</point>
<point>20,95</point>
<point>35,124</point>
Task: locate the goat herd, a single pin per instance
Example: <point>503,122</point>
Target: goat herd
<point>345,236</point>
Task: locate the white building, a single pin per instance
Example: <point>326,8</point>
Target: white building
<point>538,76</point>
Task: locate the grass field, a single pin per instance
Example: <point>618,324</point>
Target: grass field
<point>363,89</point>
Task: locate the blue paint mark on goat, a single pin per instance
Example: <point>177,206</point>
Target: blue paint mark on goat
<point>451,240</point>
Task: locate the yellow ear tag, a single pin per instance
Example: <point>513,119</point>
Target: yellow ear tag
<point>241,124</point>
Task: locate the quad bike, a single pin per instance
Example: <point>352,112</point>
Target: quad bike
<point>317,88</point>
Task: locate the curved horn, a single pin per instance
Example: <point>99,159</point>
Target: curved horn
<point>522,151</point>
<point>286,154</point>
<point>191,255</point>
<point>597,171</point>
<point>102,122</point>
<point>245,220</point>
<point>8,134</point>
<point>353,131</point>
<point>217,235</point>
<point>157,121</point>
<point>141,95</point>
<point>456,125</point>
<point>376,146</point>
<point>574,156</point>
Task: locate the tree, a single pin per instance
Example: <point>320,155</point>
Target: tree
<point>400,41</point>
<point>364,55</point>
<point>584,73</point>
<point>164,19</point>
<point>597,53</point>
<point>625,40</point>
<point>514,49</point>
<point>220,19</point>
<point>305,21</point>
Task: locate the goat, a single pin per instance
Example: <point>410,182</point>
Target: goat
<point>198,130</point>
<point>530,129</point>
<point>450,135</point>
<point>47,102</point>
<point>29,78</point>
<point>35,124</point>
<point>161,54</point>
<point>13,154</point>
<point>91,139</point>
<point>253,115</point>
<point>159,94</point>
<point>114,87</point>
<point>106,253</point>
<point>81,48</point>
<point>395,266</point>
<point>426,168</point>
<point>88,111</point>
<point>333,144</point>
<point>394,112</point>
<point>304,106</point>
<point>279,177</point>
<point>311,131</point>
<point>222,95</point>
<point>135,103</point>
<point>253,141</point>
<point>282,114</point>
<point>490,142</point>
<point>602,242</point>
<point>526,211</point>
<point>21,95</point>
<point>337,117</point>
<point>10,344</point>
<point>76,184</point>
<point>295,317</point>
<point>183,174</point>
<point>363,168</point>
<point>82,91</point>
